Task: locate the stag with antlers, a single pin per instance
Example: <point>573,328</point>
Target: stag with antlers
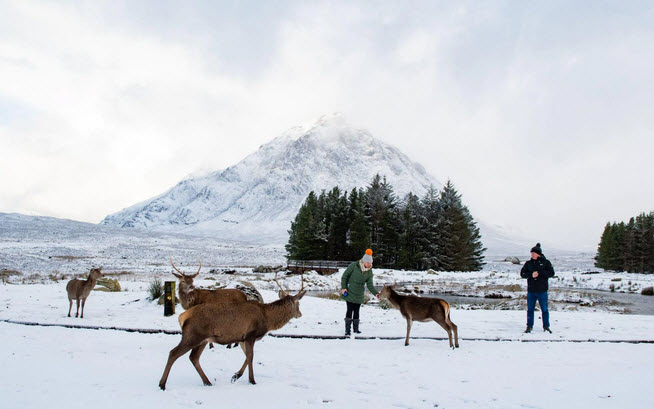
<point>243,323</point>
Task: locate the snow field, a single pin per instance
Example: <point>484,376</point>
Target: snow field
<point>58,367</point>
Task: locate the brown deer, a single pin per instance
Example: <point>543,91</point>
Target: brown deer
<point>243,323</point>
<point>80,289</point>
<point>421,309</point>
<point>190,296</point>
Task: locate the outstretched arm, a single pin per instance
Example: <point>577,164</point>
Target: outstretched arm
<point>370,285</point>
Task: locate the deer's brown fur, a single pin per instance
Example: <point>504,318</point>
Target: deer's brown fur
<point>243,323</point>
<point>189,296</point>
<point>422,309</point>
<point>80,289</point>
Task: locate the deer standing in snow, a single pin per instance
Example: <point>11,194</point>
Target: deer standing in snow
<point>243,323</point>
<point>421,309</point>
<point>80,289</point>
<point>190,296</point>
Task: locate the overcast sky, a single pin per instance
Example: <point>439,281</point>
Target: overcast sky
<point>541,113</point>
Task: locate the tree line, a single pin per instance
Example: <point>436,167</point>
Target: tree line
<point>628,246</point>
<point>436,231</point>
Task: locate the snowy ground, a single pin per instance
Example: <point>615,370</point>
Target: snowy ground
<point>581,365</point>
<point>65,367</point>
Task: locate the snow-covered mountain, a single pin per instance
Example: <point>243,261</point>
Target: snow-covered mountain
<point>256,199</point>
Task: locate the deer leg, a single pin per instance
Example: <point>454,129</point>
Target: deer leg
<point>174,354</point>
<point>77,312</point>
<point>70,305</point>
<point>447,329</point>
<point>240,371</point>
<point>195,360</point>
<point>409,321</point>
<point>83,303</point>
<point>249,347</point>
<point>455,329</point>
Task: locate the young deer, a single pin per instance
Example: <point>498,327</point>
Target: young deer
<point>80,289</point>
<point>421,309</point>
<point>244,323</point>
<point>190,296</point>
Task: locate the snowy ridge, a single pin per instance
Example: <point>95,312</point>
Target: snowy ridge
<point>256,199</point>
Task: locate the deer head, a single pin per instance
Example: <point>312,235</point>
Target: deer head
<point>96,274</point>
<point>185,280</point>
<point>386,292</point>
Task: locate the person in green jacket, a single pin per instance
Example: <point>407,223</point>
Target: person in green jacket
<point>355,277</point>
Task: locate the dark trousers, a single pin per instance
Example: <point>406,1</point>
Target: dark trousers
<point>532,297</point>
<point>352,310</point>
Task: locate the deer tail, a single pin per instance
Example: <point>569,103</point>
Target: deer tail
<point>183,317</point>
<point>446,310</point>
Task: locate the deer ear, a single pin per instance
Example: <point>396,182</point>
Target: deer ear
<point>299,295</point>
<point>177,275</point>
<point>194,275</point>
<point>394,285</point>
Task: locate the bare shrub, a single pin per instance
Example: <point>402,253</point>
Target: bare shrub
<point>155,289</point>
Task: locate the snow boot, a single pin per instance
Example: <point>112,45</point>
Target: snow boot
<point>356,326</point>
<point>528,330</point>
<point>547,329</point>
<point>348,326</point>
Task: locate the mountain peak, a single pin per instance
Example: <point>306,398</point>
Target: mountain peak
<point>256,199</point>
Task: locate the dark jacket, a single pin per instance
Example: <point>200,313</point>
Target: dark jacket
<point>545,271</point>
<point>353,280</point>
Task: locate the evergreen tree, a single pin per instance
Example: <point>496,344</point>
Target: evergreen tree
<point>429,222</point>
<point>381,206</point>
<point>602,257</point>
<point>628,247</point>
<point>336,224</point>
<point>307,234</point>
<point>460,247</point>
<point>642,243</point>
<point>359,230</point>
<point>411,234</point>
<point>435,232</point>
<point>616,247</point>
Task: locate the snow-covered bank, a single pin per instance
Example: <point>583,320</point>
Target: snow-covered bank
<point>56,367</point>
<point>77,368</point>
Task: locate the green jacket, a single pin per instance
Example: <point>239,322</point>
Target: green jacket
<point>353,281</point>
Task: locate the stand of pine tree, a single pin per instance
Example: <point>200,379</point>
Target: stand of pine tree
<point>436,232</point>
<point>628,246</point>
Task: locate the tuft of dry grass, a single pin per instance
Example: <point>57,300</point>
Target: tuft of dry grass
<point>108,284</point>
<point>5,274</point>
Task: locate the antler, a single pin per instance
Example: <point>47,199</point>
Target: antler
<point>171,262</point>
<point>281,289</point>
<point>302,278</point>
<point>200,261</point>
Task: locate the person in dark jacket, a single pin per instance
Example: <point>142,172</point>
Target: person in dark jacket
<point>355,277</point>
<point>537,271</point>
